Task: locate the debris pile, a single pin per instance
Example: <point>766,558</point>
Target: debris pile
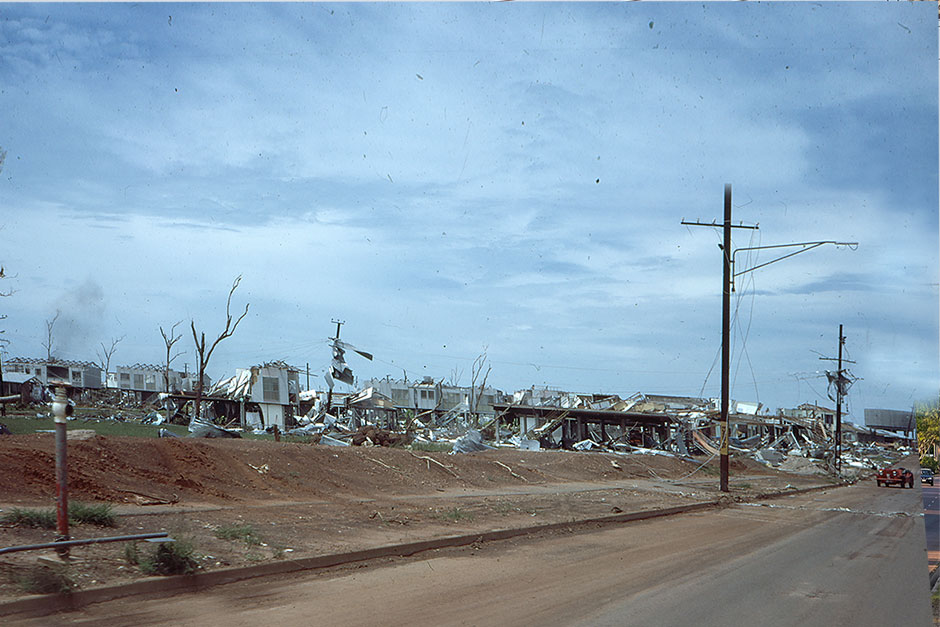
<point>267,399</point>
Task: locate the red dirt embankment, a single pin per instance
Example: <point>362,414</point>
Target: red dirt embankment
<point>303,500</point>
<point>120,469</point>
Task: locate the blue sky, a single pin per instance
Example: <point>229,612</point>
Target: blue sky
<point>453,177</point>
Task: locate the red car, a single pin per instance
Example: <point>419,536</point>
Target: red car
<point>890,476</point>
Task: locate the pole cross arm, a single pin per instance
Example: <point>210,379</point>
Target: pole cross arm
<point>805,247</point>
<point>718,225</point>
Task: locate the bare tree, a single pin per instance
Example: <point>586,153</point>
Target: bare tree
<point>205,353</point>
<point>170,339</point>
<point>104,356</point>
<point>476,370</point>
<point>455,375</point>
<point>49,344</point>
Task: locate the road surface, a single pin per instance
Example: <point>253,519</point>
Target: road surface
<point>931,496</point>
<point>847,556</point>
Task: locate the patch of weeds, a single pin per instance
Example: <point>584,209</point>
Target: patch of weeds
<point>131,554</point>
<point>455,515</point>
<point>100,514</point>
<point>254,557</point>
<point>431,447</point>
<point>246,533</point>
<point>37,518</point>
<point>168,558</point>
<point>744,486</point>
<point>277,552</point>
<point>503,507</point>
<point>45,580</point>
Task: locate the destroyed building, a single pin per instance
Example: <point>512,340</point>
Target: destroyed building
<point>27,386</point>
<point>146,380</point>
<point>673,423</point>
<point>258,397</point>
<point>437,396</point>
<point>810,411</point>
<point>83,375</point>
<point>891,420</point>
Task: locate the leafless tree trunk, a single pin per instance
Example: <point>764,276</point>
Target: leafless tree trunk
<point>455,375</point>
<point>476,370</point>
<point>49,344</point>
<point>104,357</point>
<point>205,353</point>
<point>170,339</point>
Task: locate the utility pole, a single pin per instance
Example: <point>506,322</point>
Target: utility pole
<point>840,378</point>
<point>839,406</point>
<point>727,286</point>
<point>726,278</point>
<point>329,394</point>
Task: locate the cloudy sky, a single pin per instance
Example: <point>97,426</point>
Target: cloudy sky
<point>454,178</point>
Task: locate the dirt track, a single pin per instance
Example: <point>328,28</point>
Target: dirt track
<point>307,500</point>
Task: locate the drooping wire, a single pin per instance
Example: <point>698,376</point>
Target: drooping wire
<point>748,288</point>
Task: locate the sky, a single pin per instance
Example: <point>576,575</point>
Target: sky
<point>459,179</point>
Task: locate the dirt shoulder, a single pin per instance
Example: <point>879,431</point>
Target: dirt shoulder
<point>303,500</point>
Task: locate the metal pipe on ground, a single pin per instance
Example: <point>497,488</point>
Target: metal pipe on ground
<point>69,543</point>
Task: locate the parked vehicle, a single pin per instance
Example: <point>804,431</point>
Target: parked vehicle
<point>926,476</point>
<point>890,476</point>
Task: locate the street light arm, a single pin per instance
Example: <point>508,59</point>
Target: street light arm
<point>806,246</point>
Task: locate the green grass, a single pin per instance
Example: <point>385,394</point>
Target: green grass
<point>100,514</point>
<point>25,424</point>
<point>36,518</point>
<point>296,439</point>
<point>432,447</point>
<point>247,533</point>
<point>935,603</point>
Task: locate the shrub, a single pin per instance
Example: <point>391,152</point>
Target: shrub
<point>168,558</point>
<point>45,580</point>
<point>101,514</point>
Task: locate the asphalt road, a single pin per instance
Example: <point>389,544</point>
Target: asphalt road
<point>931,497</point>
<point>848,556</point>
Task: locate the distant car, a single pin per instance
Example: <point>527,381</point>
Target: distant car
<point>926,476</point>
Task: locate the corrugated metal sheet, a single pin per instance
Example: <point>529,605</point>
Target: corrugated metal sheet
<point>890,419</point>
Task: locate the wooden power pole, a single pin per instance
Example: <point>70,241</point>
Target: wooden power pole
<point>727,286</point>
<point>840,380</point>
